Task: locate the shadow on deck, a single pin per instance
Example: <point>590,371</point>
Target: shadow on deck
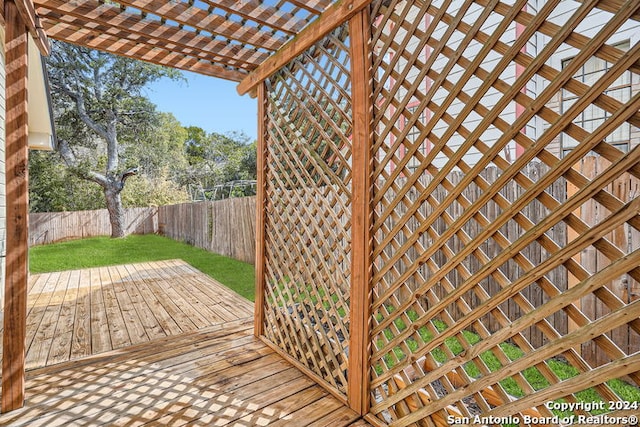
<point>216,374</point>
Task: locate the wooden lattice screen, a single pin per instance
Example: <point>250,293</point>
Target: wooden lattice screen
<point>467,100</point>
<point>307,214</point>
<point>491,214</point>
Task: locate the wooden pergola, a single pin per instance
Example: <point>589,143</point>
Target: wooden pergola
<point>226,39</point>
<point>421,240</point>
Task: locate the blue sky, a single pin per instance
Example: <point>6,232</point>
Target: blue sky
<point>210,103</point>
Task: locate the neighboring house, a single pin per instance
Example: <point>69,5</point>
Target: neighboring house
<point>625,137</point>
<point>40,129</point>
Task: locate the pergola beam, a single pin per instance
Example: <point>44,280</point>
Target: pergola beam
<point>27,10</point>
<point>142,51</point>
<point>316,6</point>
<point>334,16</point>
<point>110,19</point>
<point>17,202</point>
<point>192,16</point>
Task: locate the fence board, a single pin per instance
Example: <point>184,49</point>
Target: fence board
<point>226,227</point>
<point>51,227</point>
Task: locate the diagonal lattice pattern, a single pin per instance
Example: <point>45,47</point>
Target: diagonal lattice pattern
<point>506,230</point>
<point>221,38</point>
<point>308,192</point>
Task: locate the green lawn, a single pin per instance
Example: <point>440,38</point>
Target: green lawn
<point>561,368</point>
<point>103,251</point>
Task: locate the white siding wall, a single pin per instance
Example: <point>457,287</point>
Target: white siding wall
<point>630,32</point>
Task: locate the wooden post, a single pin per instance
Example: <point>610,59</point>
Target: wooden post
<point>333,16</point>
<point>260,213</point>
<point>15,304</point>
<point>361,215</point>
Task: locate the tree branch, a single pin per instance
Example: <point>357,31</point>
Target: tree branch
<point>129,173</point>
<point>111,136</point>
<point>72,162</point>
<point>82,110</point>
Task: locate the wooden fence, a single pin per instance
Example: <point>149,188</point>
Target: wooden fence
<point>51,227</point>
<point>225,227</point>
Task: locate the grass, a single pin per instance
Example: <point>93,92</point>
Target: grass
<point>533,376</point>
<point>305,293</point>
<point>104,251</point>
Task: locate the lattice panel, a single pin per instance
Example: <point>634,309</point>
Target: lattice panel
<point>309,209</point>
<point>506,226</point>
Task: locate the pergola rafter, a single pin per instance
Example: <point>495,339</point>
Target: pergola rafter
<point>264,16</point>
<point>220,38</point>
<point>160,55</point>
<point>109,18</point>
<point>200,19</point>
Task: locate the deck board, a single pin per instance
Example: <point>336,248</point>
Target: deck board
<point>99,326</point>
<point>81,338</point>
<point>77,313</point>
<point>219,375</point>
<point>157,344</point>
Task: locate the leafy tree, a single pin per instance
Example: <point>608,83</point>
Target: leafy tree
<point>161,152</point>
<point>217,158</point>
<point>100,110</point>
<point>197,140</point>
<point>161,158</point>
<point>147,191</point>
<point>53,188</point>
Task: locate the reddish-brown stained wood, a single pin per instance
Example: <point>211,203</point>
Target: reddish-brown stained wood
<point>241,34</point>
<point>111,19</point>
<point>308,233</point>
<point>334,16</point>
<point>15,304</point>
<point>190,15</point>
<point>260,213</point>
<point>437,232</point>
<point>32,22</point>
<point>358,386</point>
<point>155,53</point>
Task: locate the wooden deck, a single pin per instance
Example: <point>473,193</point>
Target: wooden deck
<point>157,344</point>
<point>216,376</point>
<point>78,313</point>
